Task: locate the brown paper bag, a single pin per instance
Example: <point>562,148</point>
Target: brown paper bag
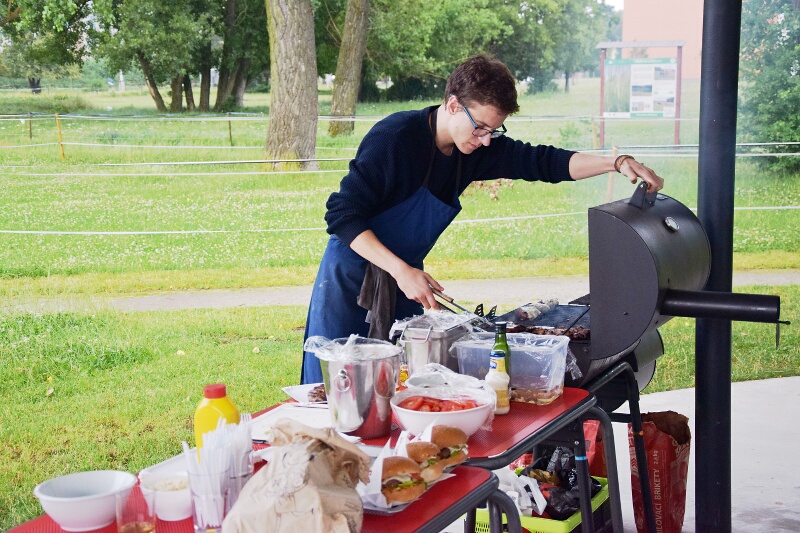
<point>308,486</point>
<point>667,440</point>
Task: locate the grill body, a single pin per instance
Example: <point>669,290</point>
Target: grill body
<point>637,254</point>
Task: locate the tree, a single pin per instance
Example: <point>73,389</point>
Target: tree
<point>530,50</point>
<point>581,26</point>
<point>419,55</point>
<point>244,50</point>
<point>770,76</point>
<point>45,37</point>
<point>33,57</point>
<point>157,37</point>
<point>348,67</point>
<point>292,130</point>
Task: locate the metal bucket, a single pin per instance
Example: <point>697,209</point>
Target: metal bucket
<point>360,380</point>
<point>425,344</point>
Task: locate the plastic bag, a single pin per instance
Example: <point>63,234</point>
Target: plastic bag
<point>558,478</point>
<point>437,319</point>
<point>436,375</point>
<point>353,348</point>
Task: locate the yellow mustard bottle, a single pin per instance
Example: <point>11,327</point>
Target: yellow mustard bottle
<point>214,405</point>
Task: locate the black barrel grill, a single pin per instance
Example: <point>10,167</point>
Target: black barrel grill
<point>649,260</point>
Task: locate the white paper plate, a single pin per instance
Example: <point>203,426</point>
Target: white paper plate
<point>300,392</point>
<point>316,416</point>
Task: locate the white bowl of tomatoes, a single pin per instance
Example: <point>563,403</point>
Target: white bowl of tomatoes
<point>466,408</point>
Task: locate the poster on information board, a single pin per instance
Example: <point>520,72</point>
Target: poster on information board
<point>640,87</point>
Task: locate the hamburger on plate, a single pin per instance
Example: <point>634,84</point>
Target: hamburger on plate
<point>452,444</point>
<point>401,480</point>
<point>426,455</point>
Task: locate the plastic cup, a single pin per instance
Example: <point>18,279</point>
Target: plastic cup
<point>240,473</point>
<point>136,512</point>
<point>209,497</point>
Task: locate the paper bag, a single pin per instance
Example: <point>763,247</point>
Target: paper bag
<point>309,485</point>
<point>667,440</point>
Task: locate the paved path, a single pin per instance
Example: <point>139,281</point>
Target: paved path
<point>507,292</point>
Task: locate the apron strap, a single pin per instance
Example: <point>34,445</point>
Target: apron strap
<point>427,179</point>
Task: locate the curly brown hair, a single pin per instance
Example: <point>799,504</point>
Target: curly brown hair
<point>484,80</point>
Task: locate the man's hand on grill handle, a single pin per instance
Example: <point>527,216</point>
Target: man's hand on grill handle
<point>634,171</point>
<point>583,165</point>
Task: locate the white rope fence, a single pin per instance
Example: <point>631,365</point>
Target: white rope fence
<point>320,229</point>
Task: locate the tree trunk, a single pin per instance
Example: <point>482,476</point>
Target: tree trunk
<point>566,81</point>
<point>227,64</point>
<point>187,88</point>
<point>205,78</point>
<point>205,87</point>
<point>292,130</point>
<point>176,105</point>
<point>152,87</point>
<point>241,82</point>
<point>348,67</point>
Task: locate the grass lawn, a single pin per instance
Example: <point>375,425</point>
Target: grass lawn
<point>104,389</point>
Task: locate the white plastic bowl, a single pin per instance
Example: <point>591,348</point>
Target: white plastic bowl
<point>468,420</point>
<point>173,498</point>
<point>84,501</point>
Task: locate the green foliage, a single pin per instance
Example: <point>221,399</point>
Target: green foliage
<point>770,73</point>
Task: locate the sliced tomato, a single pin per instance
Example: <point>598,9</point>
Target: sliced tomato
<point>412,402</point>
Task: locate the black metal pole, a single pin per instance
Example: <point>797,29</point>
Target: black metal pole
<point>716,177</point>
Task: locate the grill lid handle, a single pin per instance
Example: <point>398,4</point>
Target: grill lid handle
<point>640,196</point>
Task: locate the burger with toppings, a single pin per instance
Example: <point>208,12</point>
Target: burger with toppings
<point>452,444</point>
<point>401,480</point>
<point>426,455</point>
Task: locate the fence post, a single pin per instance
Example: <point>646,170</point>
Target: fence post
<point>60,139</point>
<point>230,133</point>
<point>30,126</point>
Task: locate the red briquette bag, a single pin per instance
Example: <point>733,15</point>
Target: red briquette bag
<point>667,439</point>
<point>595,449</point>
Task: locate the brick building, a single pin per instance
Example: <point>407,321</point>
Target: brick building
<point>657,20</point>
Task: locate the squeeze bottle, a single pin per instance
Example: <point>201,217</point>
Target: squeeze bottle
<point>214,405</point>
<point>498,379</point>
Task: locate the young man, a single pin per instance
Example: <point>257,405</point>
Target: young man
<point>402,192</point>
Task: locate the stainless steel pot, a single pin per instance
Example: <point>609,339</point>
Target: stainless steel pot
<point>360,380</point>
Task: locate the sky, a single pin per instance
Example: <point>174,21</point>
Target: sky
<point>616,3</point>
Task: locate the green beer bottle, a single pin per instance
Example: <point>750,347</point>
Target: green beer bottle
<point>501,344</point>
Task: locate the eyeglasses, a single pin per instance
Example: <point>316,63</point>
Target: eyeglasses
<point>483,131</point>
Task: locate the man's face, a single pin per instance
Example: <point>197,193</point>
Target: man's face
<point>469,135</point>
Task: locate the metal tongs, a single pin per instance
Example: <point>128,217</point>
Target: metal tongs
<point>450,300</point>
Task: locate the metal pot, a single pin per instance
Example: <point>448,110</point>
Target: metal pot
<point>428,343</point>
<point>360,380</point>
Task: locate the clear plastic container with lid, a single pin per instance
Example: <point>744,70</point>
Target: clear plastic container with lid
<point>214,405</point>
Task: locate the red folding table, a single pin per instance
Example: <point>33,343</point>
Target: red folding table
<point>511,435</point>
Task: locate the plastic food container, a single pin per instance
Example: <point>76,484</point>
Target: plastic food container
<point>537,363</point>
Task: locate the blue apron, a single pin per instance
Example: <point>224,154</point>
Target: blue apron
<point>409,230</point>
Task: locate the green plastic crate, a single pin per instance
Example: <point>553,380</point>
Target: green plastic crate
<point>547,525</point>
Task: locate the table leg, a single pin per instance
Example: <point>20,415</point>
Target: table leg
<point>584,481</point>
<point>500,503</point>
<point>611,467</point>
<point>469,521</point>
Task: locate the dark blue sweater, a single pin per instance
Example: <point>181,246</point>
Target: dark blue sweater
<point>393,158</point>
